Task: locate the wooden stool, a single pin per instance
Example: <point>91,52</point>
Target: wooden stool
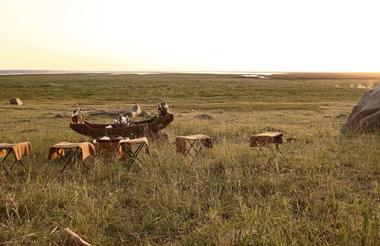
<point>266,139</point>
<point>19,150</point>
<point>106,145</point>
<point>79,152</point>
<point>196,142</point>
<point>126,150</point>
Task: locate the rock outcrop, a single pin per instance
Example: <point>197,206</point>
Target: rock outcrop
<point>365,116</point>
<point>16,101</point>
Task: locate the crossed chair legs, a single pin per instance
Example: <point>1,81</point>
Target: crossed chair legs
<point>72,158</point>
<point>13,164</point>
<point>193,150</point>
<point>132,155</point>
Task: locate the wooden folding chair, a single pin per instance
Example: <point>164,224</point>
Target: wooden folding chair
<point>130,149</point>
<point>71,153</point>
<point>72,158</point>
<point>18,150</point>
<point>267,139</point>
<point>194,146</point>
<point>106,145</point>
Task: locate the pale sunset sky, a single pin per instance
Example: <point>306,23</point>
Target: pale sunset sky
<point>196,35</point>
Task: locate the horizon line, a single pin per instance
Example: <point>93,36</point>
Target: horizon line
<point>180,71</point>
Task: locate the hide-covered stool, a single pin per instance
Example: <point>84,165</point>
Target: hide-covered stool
<point>18,150</point>
<point>192,145</point>
<point>71,152</point>
<point>266,139</point>
<point>129,149</point>
<point>106,145</point>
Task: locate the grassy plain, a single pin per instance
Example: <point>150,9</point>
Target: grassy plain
<point>323,189</point>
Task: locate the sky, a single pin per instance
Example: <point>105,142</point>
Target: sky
<point>196,35</point>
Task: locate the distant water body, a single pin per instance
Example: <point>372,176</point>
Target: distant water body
<point>36,72</point>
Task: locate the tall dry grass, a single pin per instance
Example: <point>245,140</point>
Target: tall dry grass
<point>322,188</point>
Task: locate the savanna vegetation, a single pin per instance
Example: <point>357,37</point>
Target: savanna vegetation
<point>322,188</point>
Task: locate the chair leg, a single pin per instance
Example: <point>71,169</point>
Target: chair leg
<point>12,165</point>
<point>77,157</point>
<point>84,164</point>
<point>136,160</point>
<point>74,158</point>
<point>259,150</point>
<point>128,152</point>
<point>2,162</point>
<point>197,151</point>
<point>133,155</point>
<point>147,151</point>
<point>68,161</point>
<point>137,152</point>
<point>133,158</point>
<point>278,148</point>
<point>65,165</point>
<point>22,164</point>
<point>194,150</point>
<point>191,147</point>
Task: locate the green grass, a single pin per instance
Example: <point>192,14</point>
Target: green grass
<point>323,188</point>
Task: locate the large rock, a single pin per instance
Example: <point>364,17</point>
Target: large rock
<point>365,116</point>
<point>136,110</point>
<point>16,101</point>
